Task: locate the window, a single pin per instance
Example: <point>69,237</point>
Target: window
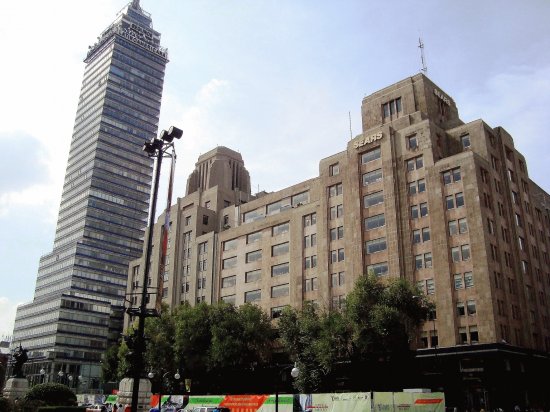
<point>280,249</point>
<point>412,142</point>
<point>462,335</point>
<point>253,215</point>
<point>465,250</point>
<point>230,244</point>
<point>335,190</point>
<point>300,199</point>
<point>336,211</point>
<point>278,207</point>
<point>375,245</point>
<point>415,163</point>
<point>310,219</point>
<point>519,221</point>
<point>230,299</point>
<point>337,255</point>
<point>280,290</point>
<point>338,302</point>
<point>276,312</point>
<point>392,108</point>
<point>253,237</point>
<point>253,256</point>
<point>207,204</point>
<point>471,307</point>
<point>418,186</point>
<point>462,225</point>
<point>423,261</point>
<point>338,279</point>
<point>373,199</point>
<point>372,177</point>
<point>229,281</point>
<point>458,281</point>
<point>337,233</point>
<point>425,234</point>
<point>229,263</point>
<point>187,220</point>
<point>278,270</point>
<point>465,140</point>
<point>371,155</point>
<point>453,227</point>
<point>204,219</point>
<point>452,176</point>
<point>374,222</point>
<point>430,287</point>
<point>252,276</point>
<point>378,269</point>
<point>423,209</point>
<point>310,240</point>
<point>311,284</point>
<point>253,296</point>
<point>279,229</point>
<point>456,200</point>
<point>334,170</point>
<point>202,248</point>
<point>460,309</point>
<point>416,237</point>
<point>414,212</point>
<point>310,262</point>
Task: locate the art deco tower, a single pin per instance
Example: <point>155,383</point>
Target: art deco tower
<point>80,289</point>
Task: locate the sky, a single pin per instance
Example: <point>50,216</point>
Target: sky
<point>276,80</point>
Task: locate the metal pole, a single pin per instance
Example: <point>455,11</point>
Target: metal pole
<point>140,342</point>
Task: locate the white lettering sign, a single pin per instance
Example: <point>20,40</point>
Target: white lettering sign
<point>367,140</point>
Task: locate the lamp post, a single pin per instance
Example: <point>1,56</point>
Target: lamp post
<point>155,148</point>
<point>60,374</point>
<point>151,375</point>
<point>295,372</point>
<point>42,375</point>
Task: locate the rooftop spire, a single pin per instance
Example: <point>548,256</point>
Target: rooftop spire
<point>135,4</point>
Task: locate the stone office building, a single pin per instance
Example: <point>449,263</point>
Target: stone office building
<point>419,194</point>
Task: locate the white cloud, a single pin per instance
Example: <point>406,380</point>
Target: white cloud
<point>518,100</point>
<point>7,316</point>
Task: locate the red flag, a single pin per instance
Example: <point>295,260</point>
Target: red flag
<point>165,231</point>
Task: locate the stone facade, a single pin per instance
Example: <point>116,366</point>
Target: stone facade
<point>419,194</point>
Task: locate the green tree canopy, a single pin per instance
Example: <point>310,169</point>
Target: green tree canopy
<point>378,318</point>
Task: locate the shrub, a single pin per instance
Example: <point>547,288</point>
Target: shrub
<point>6,405</point>
<point>61,409</point>
<point>52,394</point>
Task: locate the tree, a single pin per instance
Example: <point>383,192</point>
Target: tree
<point>300,332</point>
<point>379,319</point>
<point>109,364</point>
<point>51,394</point>
<point>213,341</point>
<point>383,316</point>
<point>160,355</point>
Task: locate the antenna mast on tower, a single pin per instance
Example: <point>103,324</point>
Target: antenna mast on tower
<point>424,68</point>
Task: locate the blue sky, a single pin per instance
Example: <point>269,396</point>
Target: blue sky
<point>273,79</point>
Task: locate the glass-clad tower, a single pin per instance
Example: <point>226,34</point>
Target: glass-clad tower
<point>80,289</point>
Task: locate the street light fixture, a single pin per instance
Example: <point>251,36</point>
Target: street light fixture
<point>155,148</point>
<point>295,372</point>
<point>151,375</point>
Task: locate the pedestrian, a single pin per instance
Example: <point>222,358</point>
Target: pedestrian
<point>115,408</point>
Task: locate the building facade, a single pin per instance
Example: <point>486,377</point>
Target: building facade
<point>78,303</point>
<point>419,194</point>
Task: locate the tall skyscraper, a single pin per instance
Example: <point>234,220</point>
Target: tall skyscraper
<point>80,289</point>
